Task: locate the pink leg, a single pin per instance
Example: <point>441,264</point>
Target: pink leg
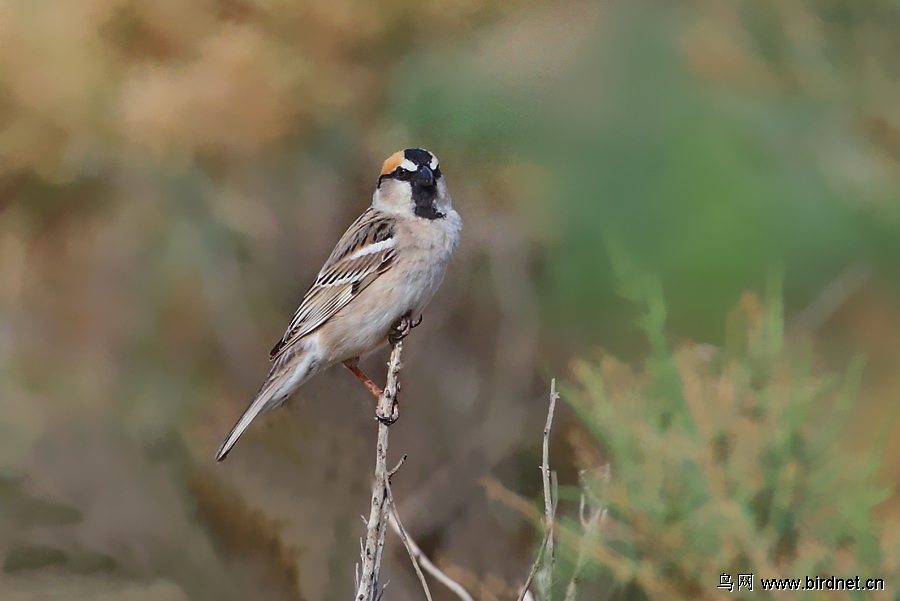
<point>366,380</point>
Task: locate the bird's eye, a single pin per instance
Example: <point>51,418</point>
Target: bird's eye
<point>437,172</point>
<point>403,174</point>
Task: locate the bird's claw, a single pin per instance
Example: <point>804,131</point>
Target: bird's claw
<point>387,420</point>
<point>399,330</point>
<point>402,328</point>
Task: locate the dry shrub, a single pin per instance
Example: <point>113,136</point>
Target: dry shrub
<point>732,461</point>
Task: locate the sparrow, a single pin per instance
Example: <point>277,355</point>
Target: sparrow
<point>373,287</point>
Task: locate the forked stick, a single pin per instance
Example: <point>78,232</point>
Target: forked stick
<point>419,558</point>
<point>379,515</point>
<point>545,552</point>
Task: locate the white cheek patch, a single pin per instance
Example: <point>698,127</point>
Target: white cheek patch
<point>409,165</point>
<point>433,164</point>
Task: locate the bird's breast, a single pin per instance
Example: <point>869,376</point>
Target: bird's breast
<point>421,259</point>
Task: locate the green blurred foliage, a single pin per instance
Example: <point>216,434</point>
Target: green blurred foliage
<point>709,158</point>
<point>723,461</point>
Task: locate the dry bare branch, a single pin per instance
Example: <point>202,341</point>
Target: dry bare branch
<point>534,567</point>
<point>545,556</point>
<point>379,515</point>
<point>420,559</point>
<point>545,575</point>
<point>398,528</point>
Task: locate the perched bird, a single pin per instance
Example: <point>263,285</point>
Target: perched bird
<point>375,285</point>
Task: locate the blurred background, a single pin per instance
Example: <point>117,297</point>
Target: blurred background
<point>173,174</point>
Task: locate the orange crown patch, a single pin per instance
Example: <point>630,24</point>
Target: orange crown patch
<point>392,162</point>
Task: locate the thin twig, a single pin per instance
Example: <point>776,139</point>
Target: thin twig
<point>397,526</point>
<point>598,516</point>
<point>832,297</point>
<point>397,468</point>
<point>419,558</point>
<point>497,492</point>
<point>591,525</point>
<point>379,515</point>
<point>545,556</point>
<point>492,588</point>
<point>534,567</point>
<point>545,575</point>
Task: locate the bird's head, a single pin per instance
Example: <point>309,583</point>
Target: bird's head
<point>411,183</point>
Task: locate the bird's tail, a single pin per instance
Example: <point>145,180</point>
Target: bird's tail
<point>282,381</point>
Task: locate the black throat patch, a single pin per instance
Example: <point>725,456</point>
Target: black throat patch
<point>424,197</point>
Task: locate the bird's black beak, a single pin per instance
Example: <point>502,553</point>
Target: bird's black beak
<point>424,177</point>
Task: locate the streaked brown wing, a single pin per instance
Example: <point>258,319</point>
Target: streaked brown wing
<point>364,252</point>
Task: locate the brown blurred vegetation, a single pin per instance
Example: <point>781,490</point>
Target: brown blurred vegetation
<point>172,174</point>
